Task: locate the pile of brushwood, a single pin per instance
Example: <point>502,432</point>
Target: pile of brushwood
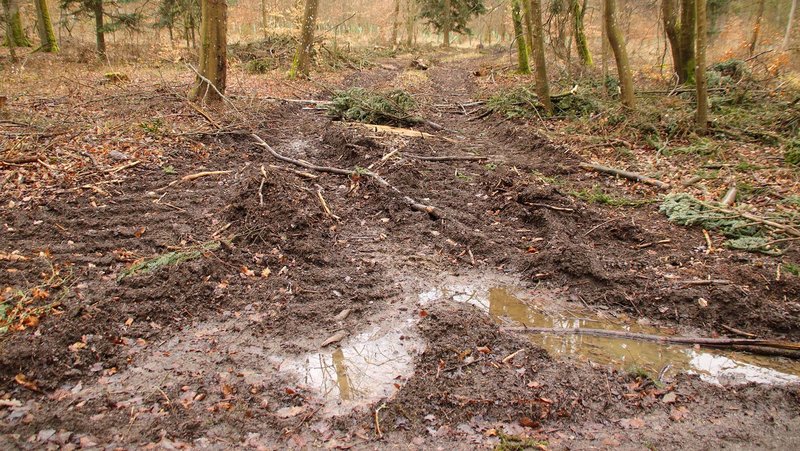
<point>276,51</point>
<point>523,102</point>
<point>394,107</point>
<point>745,231</point>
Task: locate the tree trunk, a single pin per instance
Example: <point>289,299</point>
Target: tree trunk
<point>8,38</point>
<point>99,32</point>
<point>540,66</point>
<point>47,34</point>
<point>448,24</point>
<point>757,27</point>
<point>687,41</point>
<point>411,22</point>
<point>669,14</point>
<point>395,22</point>
<point>617,41</point>
<point>213,51</point>
<point>700,69</point>
<point>581,43</point>
<point>604,46</point>
<point>302,58</point>
<point>522,48</point>
<point>788,35</point>
<point>264,18</point>
<point>16,32</point>
<point>526,16</point>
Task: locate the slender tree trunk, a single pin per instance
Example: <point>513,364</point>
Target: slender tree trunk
<point>448,24</point>
<point>700,69</point>
<point>14,24</point>
<point>669,15</point>
<point>757,27</point>
<point>526,16</point>
<point>522,48</point>
<point>47,35</point>
<point>213,51</point>
<point>604,45</point>
<point>687,41</point>
<point>395,23</point>
<point>581,43</point>
<point>540,66</point>
<point>193,26</point>
<point>788,35</point>
<point>99,32</point>
<point>617,41</point>
<point>264,17</point>
<point>411,19</point>
<point>302,58</point>
<point>9,38</point>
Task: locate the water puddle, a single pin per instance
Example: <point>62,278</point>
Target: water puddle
<point>547,311</point>
<point>366,368</point>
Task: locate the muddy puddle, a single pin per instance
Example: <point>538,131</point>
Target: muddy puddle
<point>545,310</point>
<point>367,367</point>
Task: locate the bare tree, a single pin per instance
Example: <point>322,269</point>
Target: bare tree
<point>617,42</point>
<point>522,48</point>
<point>788,35</point>
<point>700,69</point>
<point>302,58</point>
<point>15,31</point>
<point>679,25</point>
<point>395,22</point>
<point>581,43</point>
<point>757,27</point>
<point>47,35</point>
<point>526,17</point>
<point>540,66</point>
<point>211,79</point>
<point>9,38</point>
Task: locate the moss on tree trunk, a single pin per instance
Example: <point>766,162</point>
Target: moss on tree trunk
<point>522,48</point>
<point>700,69</point>
<point>581,43</point>
<point>302,57</point>
<point>617,42</point>
<point>15,34</point>
<point>213,52</point>
<point>540,66</point>
<point>47,35</point>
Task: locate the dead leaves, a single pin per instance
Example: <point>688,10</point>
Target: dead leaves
<point>335,338</point>
<point>24,381</point>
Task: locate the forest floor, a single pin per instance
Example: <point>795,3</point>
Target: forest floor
<point>144,309</point>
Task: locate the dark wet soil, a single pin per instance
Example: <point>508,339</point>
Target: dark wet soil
<point>190,354</point>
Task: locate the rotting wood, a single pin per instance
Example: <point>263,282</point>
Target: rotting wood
<point>653,243</point>
<point>752,345</point>
<point>410,202</point>
<point>730,197</point>
<point>626,174</point>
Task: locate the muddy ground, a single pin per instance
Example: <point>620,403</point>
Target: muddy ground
<point>196,354</point>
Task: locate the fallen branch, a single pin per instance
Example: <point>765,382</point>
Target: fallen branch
<point>190,177</point>
<point>626,174</point>
<point>307,175</point>
<point>411,203</point>
<point>707,342</point>
<point>448,158</point>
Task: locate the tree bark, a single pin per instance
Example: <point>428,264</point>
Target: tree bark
<point>411,22</point>
<point>687,41</point>
<point>16,32</point>
<point>522,49</point>
<point>526,16</point>
<point>47,34</point>
<point>617,42</point>
<point>395,22</point>
<point>581,43</point>
<point>757,27</point>
<point>264,18</point>
<point>213,52</point>
<point>302,58</point>
<point>8,38</point>
<point>788,35</point>
<point>448,24</point>
<point>539,63</point>
<point>669,15</point>
<point>99,32</point>
<point>700,69</point>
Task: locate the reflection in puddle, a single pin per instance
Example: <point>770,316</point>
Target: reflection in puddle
<point>367,367</point>
<point>713,366</point>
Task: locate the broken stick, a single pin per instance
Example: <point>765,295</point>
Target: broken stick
<point>626,174</point>
<point>752,345</point>
<point>411,203</point>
